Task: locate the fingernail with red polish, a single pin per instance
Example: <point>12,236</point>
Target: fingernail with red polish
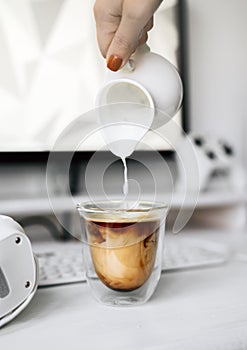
<point>114,63</point>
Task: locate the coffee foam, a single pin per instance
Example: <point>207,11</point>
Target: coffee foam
<point>127,217</point>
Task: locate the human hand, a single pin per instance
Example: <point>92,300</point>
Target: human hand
<point>122,26</point>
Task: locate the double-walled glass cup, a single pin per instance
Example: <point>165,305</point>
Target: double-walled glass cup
<point>122,249</point>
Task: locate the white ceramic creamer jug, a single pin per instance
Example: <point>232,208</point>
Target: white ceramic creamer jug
<point>132,95</point>
<point>147,78</point>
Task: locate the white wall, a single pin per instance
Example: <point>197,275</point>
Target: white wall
<point>218,69</point>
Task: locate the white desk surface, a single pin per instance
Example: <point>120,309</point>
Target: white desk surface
<point>204,309</point>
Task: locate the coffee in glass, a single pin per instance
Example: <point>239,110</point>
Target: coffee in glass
<point>122,249</point>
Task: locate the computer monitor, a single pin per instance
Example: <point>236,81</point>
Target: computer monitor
<point>51,69</point>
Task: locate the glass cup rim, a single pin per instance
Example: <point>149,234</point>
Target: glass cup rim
<point>95,207</point>
<point>148,212</point>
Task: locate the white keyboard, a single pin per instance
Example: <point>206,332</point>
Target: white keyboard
<point>61,263</point>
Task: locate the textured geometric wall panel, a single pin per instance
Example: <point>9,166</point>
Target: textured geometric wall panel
<point>50,68</point>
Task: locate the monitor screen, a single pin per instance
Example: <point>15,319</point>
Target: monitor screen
<point>51,70</point>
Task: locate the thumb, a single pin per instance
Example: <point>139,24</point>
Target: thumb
<point>124,42</point>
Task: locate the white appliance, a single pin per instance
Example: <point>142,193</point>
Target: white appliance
<point>18,270</point>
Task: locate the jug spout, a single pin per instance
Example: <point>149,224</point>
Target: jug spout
<point>131,63</point>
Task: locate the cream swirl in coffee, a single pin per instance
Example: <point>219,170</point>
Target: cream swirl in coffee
<point>124,252</point>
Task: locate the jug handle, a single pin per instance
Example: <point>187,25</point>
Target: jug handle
<point>130,64</point>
